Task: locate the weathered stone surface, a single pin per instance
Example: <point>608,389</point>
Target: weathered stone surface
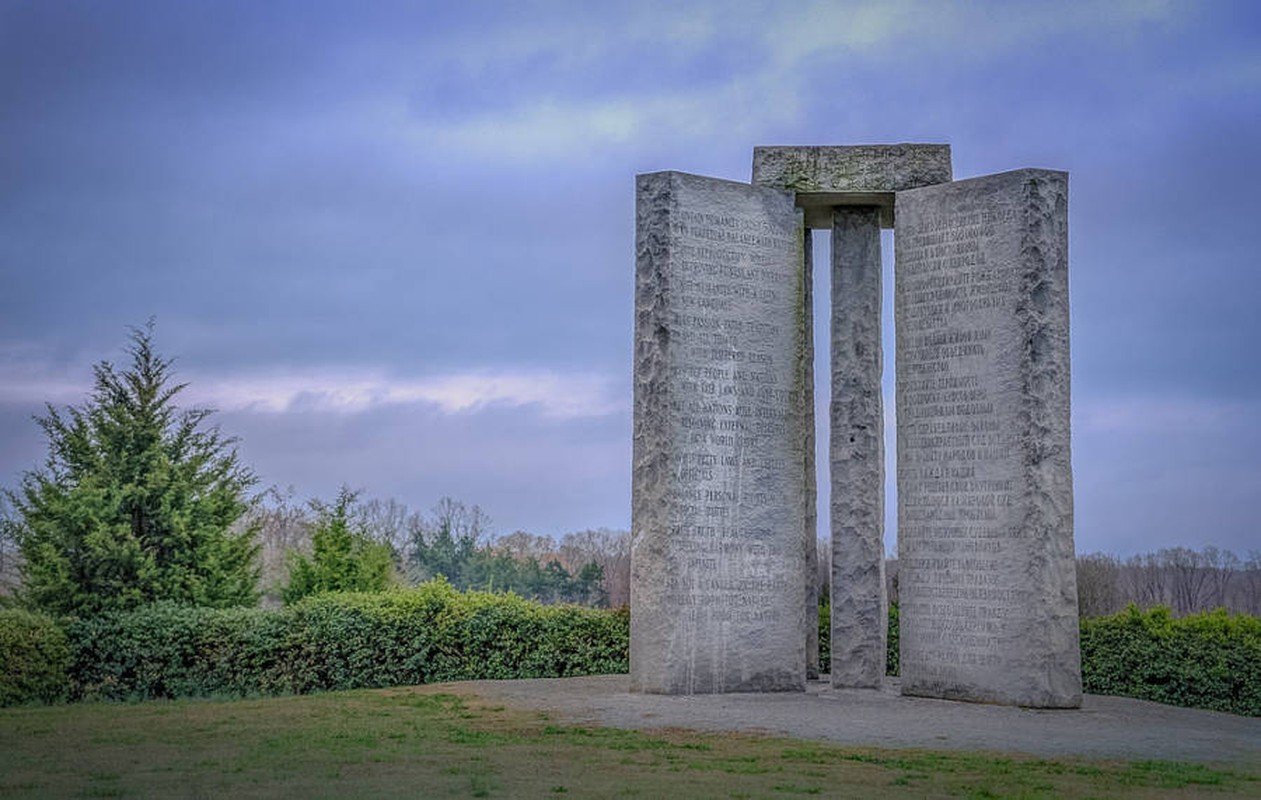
<point>985,518</point>
<point>852,168</point>
<point>861,175</point>
<point>717,562</point>
<point>859,603</point>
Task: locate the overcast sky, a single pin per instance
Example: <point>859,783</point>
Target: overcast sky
<point>393,242</point>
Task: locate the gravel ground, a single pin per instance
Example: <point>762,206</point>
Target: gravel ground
<point>1105,727</point>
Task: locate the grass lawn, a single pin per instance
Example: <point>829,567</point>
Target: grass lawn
<point>426,742</point>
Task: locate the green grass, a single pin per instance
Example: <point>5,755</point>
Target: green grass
<point>427,742</point>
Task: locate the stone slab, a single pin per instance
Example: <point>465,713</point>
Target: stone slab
<point>718,485</point>
<point>860,611</point>
<point>865,175</point>
<point>987,585</point>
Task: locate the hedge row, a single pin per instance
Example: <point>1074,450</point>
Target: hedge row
<point>435,633</point>
<point>345,641</point>
<point>1210,660</point>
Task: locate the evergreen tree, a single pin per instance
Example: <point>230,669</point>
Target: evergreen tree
<point>343,559</point>
<point>589,586</point>
<point>136,500</point>
<point>446,551</point>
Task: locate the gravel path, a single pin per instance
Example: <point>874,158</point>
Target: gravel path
<point>1105,727</point>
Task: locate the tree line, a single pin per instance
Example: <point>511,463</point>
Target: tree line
<point>139,501</point>
<point>1184,580</point>
<point>1187,581</point>
<point>378,542</point>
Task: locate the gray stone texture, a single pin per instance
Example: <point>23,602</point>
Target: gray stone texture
<point>850,175</point>
<point>852,168</point>
<point>985,519</point>
<point>859,603</point>
<point>718,484</point>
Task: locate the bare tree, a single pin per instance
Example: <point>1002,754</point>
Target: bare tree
<point>386,522</point>
<point>460,520</point>
<point>285,528</point>
<point>1098,585</point>
<point>823,568</point>
<point>10,558</point>
<point>1146,582</point>
<point>610,550</point>
<point>1247,585</point>
<point>1220,568</point>
<point>1188,578</point>
<point>522,545</point>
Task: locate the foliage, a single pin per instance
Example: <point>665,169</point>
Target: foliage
<point>33,658</point>
<point>1210,660</point>
<point>135,502</point>
<point>344,557</point>
<point>825,640</point>
<point>450,547</point>
<point>340,641</point>
<point>435,633</point>
<point>893,657</point>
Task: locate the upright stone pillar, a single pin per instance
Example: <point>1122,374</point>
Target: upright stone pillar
<point>859,605</point>
<point>985,500</point>
<point>717,563</point>
<point>850,189</point>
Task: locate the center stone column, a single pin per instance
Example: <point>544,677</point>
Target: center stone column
<point>718,558</point>
<point>860,608</point>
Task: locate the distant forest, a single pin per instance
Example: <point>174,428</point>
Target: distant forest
<point>592,567</point>
<point>1185,580</point>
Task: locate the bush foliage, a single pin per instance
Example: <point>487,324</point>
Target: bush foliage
<point>33,658</point>
<point>435,633</point>
<point>340,641</point>
<point>1210,660</point>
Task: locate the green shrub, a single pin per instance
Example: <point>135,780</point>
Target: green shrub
<point>893,657</point>
<point>1210,660</point>
<point>341,641</point>
<point>825,640</point>
<point>33,658</point>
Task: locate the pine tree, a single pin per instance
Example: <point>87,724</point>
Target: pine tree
<point>136,500</point>
<point>344,557</point>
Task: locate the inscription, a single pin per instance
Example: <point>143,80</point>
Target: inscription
<point>957,452</point>
<point>731,397</point>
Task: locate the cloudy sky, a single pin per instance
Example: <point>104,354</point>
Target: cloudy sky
<point>393,242</point>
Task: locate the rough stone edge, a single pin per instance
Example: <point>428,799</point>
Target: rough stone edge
<point>859,624</point>
<point>649,460</point>
<point>1042,312</point>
